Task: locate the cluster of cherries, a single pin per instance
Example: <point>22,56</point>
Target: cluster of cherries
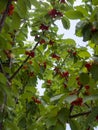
<point>30,53</point>
<point>11,10</point>
<point>36,100</point>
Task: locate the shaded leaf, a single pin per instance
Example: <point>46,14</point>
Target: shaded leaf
<point>92,116</point>
<point>91,97</point>
<point>74,125</point>
<point>84,78</point>
<point>3,78</point>
<point>51,121</point>
<point>71,98</point>
<point>59,126</point>
<point>72,14</point>
<point>56,97</point>
<point>94,71</point>
<point>66,23</point>
<point>63,115</point>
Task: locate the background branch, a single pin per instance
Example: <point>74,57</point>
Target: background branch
<point>4,15</point>
<point>16,72</point>
<point>80,114</point>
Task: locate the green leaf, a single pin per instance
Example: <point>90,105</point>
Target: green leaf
<point>72,14</point>
<point>22,122</point>
<point>35,3</point>
<point>83,10</point>
<point>1,97</point>
<point>3,79</point>
<point>65,22</point>
<point>91,97</point>
<point>59,126</point>
<point>15,21</point>
<point>51,121</point>
<point>21,8</point>
<point>74,125</point>
<point>71,98</point>
<point>63,115</point>
<point>3,4</point>
<point>8,125</point>
<point>94,71</point>
<point>84,54</point>
<point>79,27</point>
<point>56,97</point>
<point>4,44</point>
<point>71,1</point>
<point>94,2</point>
<point>95,38</point>
<point>86,31</point>
<point>92,116</point>
<point>84,78</point>
<point>70,41</point>
<point>96,53</point>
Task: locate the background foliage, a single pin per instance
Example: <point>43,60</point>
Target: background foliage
<point>69,73</point>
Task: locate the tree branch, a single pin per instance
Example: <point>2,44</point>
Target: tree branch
<point>1,68</point>
<point>16,72</point>
<point>80,114</point>
<point>4,15</point>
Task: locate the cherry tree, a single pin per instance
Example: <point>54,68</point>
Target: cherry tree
<point>69,72</point>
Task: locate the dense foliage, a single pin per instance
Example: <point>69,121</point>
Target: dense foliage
<point>69,73</point>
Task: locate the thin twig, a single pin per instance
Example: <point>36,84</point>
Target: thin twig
<point>16,72</point>
<point>2,21</point>
<point>80,114</point>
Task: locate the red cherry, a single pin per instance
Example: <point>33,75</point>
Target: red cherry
<point>77,78</point>
<point>79,83</point>
<point>54,13</point>
<point>30,62</point>
<point>49,82</point>
<point>44,27</point>
<point>97,117</point>
<point>11,9</point>
<point>88,66</point>
<point>55,56</point>
<point>69,51</point>
<point>62,1</point>
<point>87,87</point>
<point>51,42</point>
<point>42,41</point>
<point>31,74</point>
<point>27,52</point>
<point>74,53</point>
<point>77,102</point>
<point>65,74</point>
<point>32,54</point>
<point>88,128</point>
<point>45,65</point>
<point>93,30</point>
<point>57,70</point>
<point>37,101</point>
<point>25,67</point>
